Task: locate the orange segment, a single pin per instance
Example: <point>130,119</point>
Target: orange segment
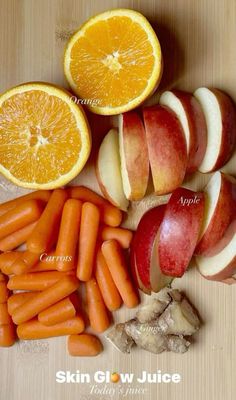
<point>44,136</point>
<point>114,59</point>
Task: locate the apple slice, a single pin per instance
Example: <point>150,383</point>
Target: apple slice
<point>180,230</point>
<point>220,118</point>
<point>166,147</point>
<point>220,209</point>
<point>108,170</point>
<point>142,260</point>
<point>157,279</point>
<point>134,155</point>
<point>222,266</point>
<point>191,117</point>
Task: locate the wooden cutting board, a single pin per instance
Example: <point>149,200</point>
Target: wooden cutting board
<point>198,41</point>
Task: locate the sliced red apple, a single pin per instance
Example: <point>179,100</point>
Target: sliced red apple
<point>157,279</point>
<point>180,230</point>
<point>143,262</point>
<point>220,210</point>
<point>166,147</point>
<point>133,155</point>
<point>108,170</point>
<point>222,266</point>
<point>220,116</point>
<point>191,117</point>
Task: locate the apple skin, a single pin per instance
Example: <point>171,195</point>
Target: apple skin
<point>224,213</point>
<point>180,230</point>
<point>108,172</point>
<point>196,125</point>
<point>142,244</point>
<point>221,266</point>
<point>166,147</point>
<point>228,130</point>
<point>134,155</point>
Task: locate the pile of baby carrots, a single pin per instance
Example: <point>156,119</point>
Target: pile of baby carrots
<point>70,237</point>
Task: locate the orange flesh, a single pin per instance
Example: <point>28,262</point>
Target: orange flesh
<point>39,137</point>
<point>112,62</point>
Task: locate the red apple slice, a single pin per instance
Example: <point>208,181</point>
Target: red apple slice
<point>143,243</point>
<point>222,266</point>
<point>180,230</point>
<point>134,155</point>
<point>108,170</point>
<point>220,118</point>
<point>191,117</point>
<point>157,279</point>
<point>166,147</point>
<point>220,209</point>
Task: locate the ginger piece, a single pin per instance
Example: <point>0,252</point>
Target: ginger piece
<point>119,338</point>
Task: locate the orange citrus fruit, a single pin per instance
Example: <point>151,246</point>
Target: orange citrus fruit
<point>114,61</point>
<point>44,136</point>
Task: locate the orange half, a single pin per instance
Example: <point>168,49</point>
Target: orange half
<point>114,61</point>
<point>44,136</point>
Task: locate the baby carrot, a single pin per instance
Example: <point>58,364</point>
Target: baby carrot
<point>42,195</point>
<point>5,318</point>
<point>110,215</point>
<point>43,234</point>
<point>84,345</point>
<point>36,330</point>
<point>87,240</point>
<point>106,284</point>
<point>45,299</point>
<point>59,312</point>
<point>123,236</point>
<point>7,335</point>
<point>7,259</point>
<point>24,263</point>
<point>17,299</point>
<point>97,312</point>
<point>119,272</point>
<point>68,234</point>
<point>4,292</point>
<point>17,238</point>
<point>35,281</point>
<point>20,216</point>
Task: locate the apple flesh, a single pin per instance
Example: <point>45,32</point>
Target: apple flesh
<point>222,266</point>
<point>180,230</point>
<point>133,155</point>
<point>191,117</point>
<point>143,263</point>
<point>166,147</point>
<point>108,170</point>
<point>220,116</point>
<point>220,210</point>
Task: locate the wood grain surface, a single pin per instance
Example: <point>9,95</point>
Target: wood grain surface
<point>198,42</point>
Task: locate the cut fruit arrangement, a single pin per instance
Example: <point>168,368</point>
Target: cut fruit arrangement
<point>54,242</point>
<point>185,133</point>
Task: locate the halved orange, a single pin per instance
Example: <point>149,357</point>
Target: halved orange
<point>44,136</point>
<point>114,61</point>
